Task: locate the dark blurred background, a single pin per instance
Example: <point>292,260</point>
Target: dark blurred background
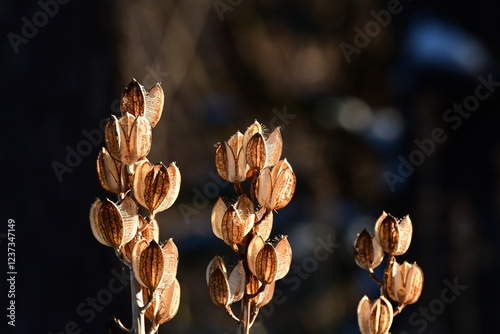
<point>368,95</point>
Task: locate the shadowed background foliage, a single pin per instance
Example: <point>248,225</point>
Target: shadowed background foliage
<point>357,122</point>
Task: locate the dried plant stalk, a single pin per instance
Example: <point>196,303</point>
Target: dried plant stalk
<point>124,170</point>
<point>402,284</point>
<point>246,224</point>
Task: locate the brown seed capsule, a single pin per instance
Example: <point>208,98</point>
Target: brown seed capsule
<point>266,264</point>
<point>156,187</point>
<point>165,303</point>
<point>171,260</point>
<point>218,288</point>
<point>128,139</point>
<point>284,256</point>
<point>275,187</point>
<point>265,225</point>
<point>132,100</point>
<point>236,281</point>
<point>236,222</point>
<point>265,296</point>
<point>404,283</point>
<point>262,152</point>
<point>114,225</point>
<point>148,263</point>
<point>367,251</point>
<point>374,317</point>
<point>111,174</point>
<point>393,236</point>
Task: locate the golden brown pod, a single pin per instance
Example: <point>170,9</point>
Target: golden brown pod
<point>374,317</point>
<point>394,236</point>
<point>368,254</point>
<point>132,100</point>
<point>404,283</point>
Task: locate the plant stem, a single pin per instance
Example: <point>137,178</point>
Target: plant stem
<point>138,326</point>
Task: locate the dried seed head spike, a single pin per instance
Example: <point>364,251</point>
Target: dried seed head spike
<point>132,101</point>
<point>393,236</point>
<point>266,264</point>
<point>154,100</point>
<point>151,266</point>
<point>368,254</point>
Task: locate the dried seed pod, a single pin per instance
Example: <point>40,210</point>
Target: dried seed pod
<point>393,236</point>
<point>404,283</point>
<point>216,263</point>
<point>275,187</point>
<point>114,225</point>
<point>218,212</point>
<point>156,187</point>
<point>265,296</point>
<point>265,225</point>
<point>374,317</point>
<point>154,100</point>
<point>266,264</point>
<point>237,221</point>
<point>111,174</point>
<point>255,246</point>
<point>165,303</point>
<point>368,254</point>
<point>148,263</point>
<point>132,100</point>
<point>262,152</point>
<point>128,139</point>
<point>152,231</point>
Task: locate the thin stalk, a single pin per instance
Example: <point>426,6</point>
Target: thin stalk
<point>138,325</point>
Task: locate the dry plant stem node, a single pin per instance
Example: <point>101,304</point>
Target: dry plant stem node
<point>245,224</point>
<point>401,283</point>
<point>124,170</point>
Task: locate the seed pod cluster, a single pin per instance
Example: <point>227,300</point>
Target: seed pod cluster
<point>123,169</point>
<point>402,284</point>
<point>246,224</point>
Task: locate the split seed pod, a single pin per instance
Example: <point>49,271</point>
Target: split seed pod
<point>233,223</point>
<point>128,139</point>
<point>111,174</point>
<point>393,236</point>
<point>114,225</point>
<point>269,262</point>
<point>374,317</point>
<point>367,251</point>
<point>156,187</point>
<point>139,102</point>
<point>262,152</point>
<point>404,283</point>
<point>224,288</point>
<point>275,187</point>
<point>165,303</point>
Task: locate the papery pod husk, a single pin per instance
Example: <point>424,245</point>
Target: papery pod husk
<point>368,254</point>
<point>246,211</point>
<point>150,265</point>
<point>165,302</point>
<point>154,100</point>
<point>221,163</point>
<point>266,264</point>
<point>236,159</point>
<point>152,231</point>
<point>403,283</point>
<point>137,250</point>
<point>111,174</point>
<point>283,186</point>
<point>405,235</point>
<point>265,223</point>
<point>284,256</point>
<point>263,188</point>
<point>265,296</point>
<point>218,212</point>
<point>252,287</point>
<point>128,211</point>
<point>128,139</point>
<point>236,281</point>
<point>233,227</point>
<point>250,132</point>
<point>142,168</point>
<point>171,260</point>
<point>274,147</point>
<point>254,247</point>
<point>94,222</point>
<point>374,317</point>
<point>132,100</point>
<point>156,184</point>
<point>174,179</point>
<point>215,263</point>
<point>256,152</point>
<point>218,288</point>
